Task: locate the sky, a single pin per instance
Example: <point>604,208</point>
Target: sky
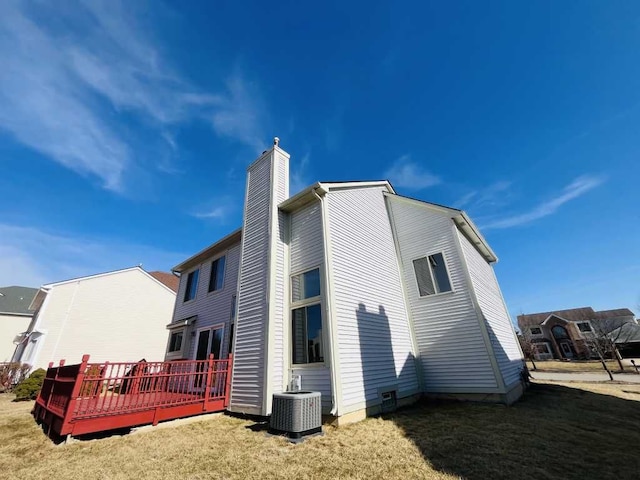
<point>126,128</point>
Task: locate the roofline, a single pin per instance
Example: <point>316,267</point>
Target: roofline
<point>103,274</point>
<point>308,194</point>
<point>222,244</point>
<point>14,314</point>
<point>462,221</point>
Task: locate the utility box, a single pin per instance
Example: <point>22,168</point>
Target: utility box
<point>296,414</point>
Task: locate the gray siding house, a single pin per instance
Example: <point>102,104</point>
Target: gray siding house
<point>352,290</point>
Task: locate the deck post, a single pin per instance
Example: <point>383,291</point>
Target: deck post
<point>75,393</point>
<point>227,389</point>
<point>207,385</point>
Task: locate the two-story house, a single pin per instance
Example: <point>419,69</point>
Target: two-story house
<point>356,291</point>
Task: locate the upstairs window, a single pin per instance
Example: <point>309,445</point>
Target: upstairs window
<point>535,331</point>
<point>216,279</point>
<point>584,327</point>
<point>306,318</point>
<point>431,275</point>
<point>192,285</point>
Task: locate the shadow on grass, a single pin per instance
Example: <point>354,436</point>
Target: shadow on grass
<point>552,432</point>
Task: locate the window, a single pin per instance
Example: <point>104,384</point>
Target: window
<point>431,275</point>
<point>192,285</point>
<point>542,348</point>
<point>175,342</point>
<point>584,327</point>
<point>306,318</point>
<point>535,331</point>
<point>217,274</point>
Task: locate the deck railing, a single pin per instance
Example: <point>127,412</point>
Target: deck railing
<point>91,397</point>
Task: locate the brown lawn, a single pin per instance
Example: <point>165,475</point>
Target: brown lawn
<point>556,431</point>
<point>592,366</point>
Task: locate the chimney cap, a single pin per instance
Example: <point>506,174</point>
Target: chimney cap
<point>276,141</point>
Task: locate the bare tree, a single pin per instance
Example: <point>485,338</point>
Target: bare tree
<point>604,337</point>
<point>529,347</point>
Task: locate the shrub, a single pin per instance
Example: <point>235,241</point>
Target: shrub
<point>29,388</point>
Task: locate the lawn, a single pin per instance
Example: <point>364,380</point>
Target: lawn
<point>592,366</point>
<point>558,431</point>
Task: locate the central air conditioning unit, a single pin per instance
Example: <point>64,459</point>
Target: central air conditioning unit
<point>296,414</point>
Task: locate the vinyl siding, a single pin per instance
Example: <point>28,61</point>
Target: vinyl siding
<point>307,252</point>
<point>247,389</point>
<point>489,297</point>
<point>280,274</point>
<point>451,345</point>
<point>114,317</point>
<point>374,337</point>
<point>10,327</point>
<point>212,308</point>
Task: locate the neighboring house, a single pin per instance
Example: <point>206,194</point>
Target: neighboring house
<point>366,296</point>
<point>14,316</point>
<point>113,316</point>
<point>562,334</point>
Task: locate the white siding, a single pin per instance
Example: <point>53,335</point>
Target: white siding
<point>259,359</point>
<point>452,349</point>
<point>247,389</point>
<point>212,308</point>
<point>374,337</point>
<point>499,325</point>
<point>10,327</point>
<point>307,252</point>
<point>114,317</point>
<point>279,276</point>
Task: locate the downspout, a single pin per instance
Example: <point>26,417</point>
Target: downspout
<point>334,367</point>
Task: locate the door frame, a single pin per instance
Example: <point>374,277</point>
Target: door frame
<point>216,326</point>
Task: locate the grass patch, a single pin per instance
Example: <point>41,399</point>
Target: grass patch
<point>556,431</point>
<point>573,366</point>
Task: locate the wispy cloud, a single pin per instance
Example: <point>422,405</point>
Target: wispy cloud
<point>23,248</point>
<point>575,189</point>
<point>496,194</point>
<point>219,209</point>
<point>73,76</point>
<point>298,180</point>
<point>405,173</point>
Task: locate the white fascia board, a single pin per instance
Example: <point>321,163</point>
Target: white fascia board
<point>461,219</point>
<point>88,277</point>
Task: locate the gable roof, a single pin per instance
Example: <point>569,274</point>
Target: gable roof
<point>462,221</point>
<point>222,244</point>
<point>572,315</point>
<point>15,300</point>
<point>168,279</point>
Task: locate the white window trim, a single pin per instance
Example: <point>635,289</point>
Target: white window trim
<point>215,326</point>
<point>541,334</point>
<point>224,274</point>
<point>184,326</point>
<point>318,299</point>
<point>585,334</point>
<point>186,284</point>
<point>446,265</point>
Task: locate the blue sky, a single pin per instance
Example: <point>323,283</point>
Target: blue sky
<point>126,128</point>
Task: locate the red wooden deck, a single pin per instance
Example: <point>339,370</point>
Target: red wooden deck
<point>95,397</point>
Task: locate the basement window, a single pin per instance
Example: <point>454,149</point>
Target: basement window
<point>432,276</point>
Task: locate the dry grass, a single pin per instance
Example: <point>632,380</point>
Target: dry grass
<point>591,366</point>
<point>556,431</point>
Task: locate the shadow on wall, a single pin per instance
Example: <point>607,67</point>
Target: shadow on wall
<point>511,370</point>
<point>546,435</point>
<point>382,384</point>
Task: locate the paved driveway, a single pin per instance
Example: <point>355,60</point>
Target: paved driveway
<point>585,377</point>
